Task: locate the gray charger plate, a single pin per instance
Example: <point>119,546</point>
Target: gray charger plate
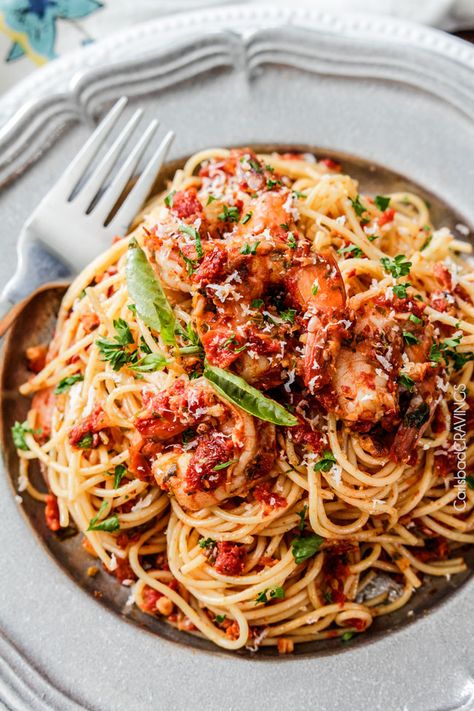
<point>330,84</point>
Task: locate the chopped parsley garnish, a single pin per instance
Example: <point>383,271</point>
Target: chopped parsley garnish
<point>288,315</point>
<point>246,218</point>
<point>406,381</point>
<point>372,238</point>
<point>257,303</point>
<point>381,202</point>
<point>328,597</point>
<point>116,351</point>
<point>451,342</point>
<point>86,441</point>
<point>124,335</point>
<point>255,165</point>
<point>210,198</point>
<point>119,472</point>
<point>64,384</point>
<point>410,338</point>
<point>400,290</point>
<point>150,363</point>
<point>266,595</point>
<point>447,349</point>
<point>191,264</point>
<point>229,214</point>
<point>397,267</point>
<point>302,516</point>
<point>249,248</point>
<point>459,359</point>
<point>347,636</point>
<point>224,465</point>
<point>188,435</point>
<point>351,249</point>
<point>426,243</point>
<point>292,243</point>
<point>206,543</point>
<point>470,481</point>
<point>19,430</point>
<point>271,183</point>
<point>415,319</point>
<point>170,198</point>
<point>326,462</point>
<point>304,547</point>
<point>416,418</point>
<point>315,288</point>
<point>298,194</point>
<point>220,619</point>
<point>109,524</point>
<point>359,208</point>
<point>192,232</point>
<point>435,354</point>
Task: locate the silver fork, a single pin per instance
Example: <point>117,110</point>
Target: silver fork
<point>65,226</point>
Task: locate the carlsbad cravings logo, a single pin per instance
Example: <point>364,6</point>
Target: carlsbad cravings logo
<point>459,445</point>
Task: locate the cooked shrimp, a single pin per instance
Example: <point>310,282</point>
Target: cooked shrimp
<point>318,288</point>
<point>224,453</point>
<point>427,391</point>
<point>365,377</point>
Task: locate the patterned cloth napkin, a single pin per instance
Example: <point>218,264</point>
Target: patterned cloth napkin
<point>33,32</point>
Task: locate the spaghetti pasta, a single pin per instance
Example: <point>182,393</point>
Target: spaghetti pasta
<point>249,404</point>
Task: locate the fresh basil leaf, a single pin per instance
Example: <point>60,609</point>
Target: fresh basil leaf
<point>64,384</point>
<point>304,547</point>
<point>147,293</point>
<point>248,398</point>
